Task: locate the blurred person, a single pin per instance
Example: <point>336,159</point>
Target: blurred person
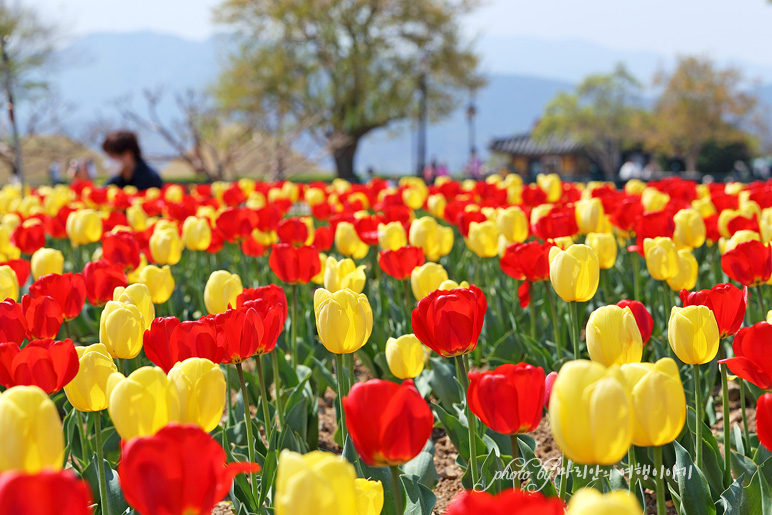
<point>442,170</point>
<point>77,171</point>
<point>55,172</point>
<point>430,172</point>
<point>474,167</point>
<point>125,163</point>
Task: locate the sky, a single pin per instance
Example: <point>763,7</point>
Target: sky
<point>725,29</point>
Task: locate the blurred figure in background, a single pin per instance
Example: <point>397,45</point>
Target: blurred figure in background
<point>430,172</point>
<point>125,164</point>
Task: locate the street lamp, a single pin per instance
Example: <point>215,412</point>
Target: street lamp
<point>471,112</point>
<point>422,113</point>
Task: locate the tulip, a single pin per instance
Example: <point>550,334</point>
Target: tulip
<point>591,502</point>
<point>643,318</point>
<point>13,324</point>
<point>508,399</point>
<point>508,502</point>
<point>201,389</point>
<point>344,274</point>
<point>348,242</point>
<point>47,364</point>
<point>549,382</point>
<point>84,226</point>
<point>43,316</point>
<point>750,263</point>
<point>764,420</point>
<point>294,265</point>
<point>159,281</point>
<point>196,233</point>
<point>46,261</point>
<point>727,302</point>
<point>551,185</point>
<point>9,283</point>
<point>369,496</point>
<point>405,356</point>
<point>44,493</point>
<point>690,229</point>
<point>605,247</point>
<point>389,423</point>
<point>271,293</point>
<point>574,273</point>
<point>31,433</point>
<point>427,278</point>
<point>30,236</point>
<point>121,248</point>
<point>686,278</point>
<point>168,341</point>
<point>693,334</point>
<point>449,322</point>
<point>88,390</point>
<point>21,268</point>
<point>435,240</point>
<point>139,295</point>
<point>752,359</point>
<point>661,258</point>
<point>589,215</point>
<point>250,329</point>
<point>392,236</point>
<point>591,413</point>
<point>483,238</point>
<point>221,291</point>
<point>142,403</point>
<point>69,291</point>
<point>400,263</point>
<point>166,246</point>
<point>344,320</point>
<point>295,231</point>
<point>191,478</point>
<point>513,224</point>
<point>101,280</point>
<point>527,262</point>
<point>317,482</point>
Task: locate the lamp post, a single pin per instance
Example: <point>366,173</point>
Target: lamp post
<point>422,115</point>
<point>471,112</point>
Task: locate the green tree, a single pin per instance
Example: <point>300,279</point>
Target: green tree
<point>701,103</point>
<point>353,65</point>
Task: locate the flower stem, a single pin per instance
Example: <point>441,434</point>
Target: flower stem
<point>515,458</point>
<point>339,375</point>
<point>248,421</point>
<point>397,486</point>
<point>464,379</point>
<point>635,257</point>
<point>760,298</point>
<point>293,327</point>
<point>264,396</point>
<point>553,312</point>
<point>574,327</point>
<point>727,440</point>
<point>660,480</point>
<point>746,434</point>
<point>103,502</point>
<point>231,418</point>
<point>698,409</point>
<point>563,477</point>
<point>408,302</point>
<point>631,464</point>
<point>82,433</point>
<point>277,386</point>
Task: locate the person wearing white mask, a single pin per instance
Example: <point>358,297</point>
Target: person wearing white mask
<point>125,163</point>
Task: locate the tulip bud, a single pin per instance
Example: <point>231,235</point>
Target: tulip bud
<point>196,233</point>
<point>591,502</point>
<point>483,238</point>
<point>142,403</point>
<point>344,320</point>
<point>661,258</point>
<point>88,391</point>
<point>317,482</point>
<point>84,226</point>
<point>159,281</point>
<point>605,246</point>
<point>435,240</point>
<point>200,387</point>
<point>9,283</point>
<point>589,215</point>
<point>31,434</point>
<point>405,356</point>
<point>551,185</point>
<point>690,229</point>
<point>139,295</point>
<point>574,273</point>
<point>513,224</point>
<point>427,278</point>
<point>450,284</point>
<point>392,236</point>
<point>686,278</point>
<point>348,243</point>
<point>369,496</point>
<point>221,291</point>
<point>549,382</point>
<point>166,245</point>
<point>414,198</point>
<point>121,327</point>
<point>46,261</point>
<point>613,337</point>
<point>693,334</point>
<point>764,420</point>
<point>343,274</point>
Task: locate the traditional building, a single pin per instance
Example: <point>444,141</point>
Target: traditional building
<point>529,157</point>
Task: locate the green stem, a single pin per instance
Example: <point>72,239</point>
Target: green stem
<point>397,485</point>
<point>631,464</point>
<point>408,303</point>
<point>248,421</point>
<point>563,477</point>
<point>103,502</point>
<point>760,299</point>
<point>515,457</point>
<point>575,331</point>
<point>698,408</point>
<point>660,480</point>
<point>464,379</point>
<point>82,432</point>
<point>231,418</point>
<point>264,396</point>
<point>532,316</point>
<point>67,329</point>
<point>340,377</point>
<point>293,327</point>
<point>727,440</point>
<point>604,286</point>
<point>553,312</point>
<point>635,258</point>
<point>277,386</point>
<point>746,434</point>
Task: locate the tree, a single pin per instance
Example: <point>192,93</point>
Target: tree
<point>700,103</point>
<point>602,115</point>
<point>352,64</point>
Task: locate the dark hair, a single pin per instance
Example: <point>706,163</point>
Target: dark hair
<point>119,142</point>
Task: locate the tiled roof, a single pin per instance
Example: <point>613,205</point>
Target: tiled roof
<point>524,145</point>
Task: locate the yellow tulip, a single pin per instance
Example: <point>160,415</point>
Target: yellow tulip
<point>693,334</point>
<point>483,238</point>
<point>436,204</point>
<point>31,433</point>
<point>689,229</point>
<point>426,278</point>
<point>196,233</point>
<point>659,402</point>
<point>139,295</point>
<point>344,320</point>
<point>588,501</point>
<point>342,274</point>
<point>221,291</point>
<point>613,337</point>
<point>137,217</point>
<point>159,281</point>
<point>727,244</point>
<point>88,391</point>
<point>591,413</point>
<point>589,215</point>
<point>405,356</point>
<point>653,199</point>
<point>121,327</point>
<point>392,236</point>
<point>414,198</point>
<point>46,261</point>
<point>450,284</point>
<point>200,387</point>
<point>574,272</point>
<point>686,278</point>
<point>435,240</point>
<point>142,403</point>
<point>319,278</point>
<point>513,224</point>
<point>9,283</point>
<point>704,205</point>
<point>348,243</point>
<point>661,258</point>
<point>166,245</point>
<point>317,482</point>
<point>605,247</point>
<point>369,496</point>
<point>551,185</point>
<point>84,226</point>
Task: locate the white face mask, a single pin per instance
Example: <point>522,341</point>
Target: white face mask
<point>113,166</point>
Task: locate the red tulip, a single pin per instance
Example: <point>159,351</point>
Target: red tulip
<point>251,329</point>
<point>102,278</point>
<point>400,263</point>
<point>752,348</point>
<point>742,223</point>
<point>367,228</point>
<point>643,318</point>
<point>271,293</point>
<point>508,502</point>
<point>30,236</point>
<point>234,195</point>
<point>389,423</point>
<point>122,249</point>
<point>727,301</point>
<point>294,265</point>
<point>268,217</point>
<point>764,420</point>
<point>508,399</point>
<point>169,341</point>
<point>653,224</point>
<point>236,224</point>
<point>48,364</point>
<point>43,316</point>
<point>180,470</point>
<point>449,322</point>
<point>293,231</point>
<point>251,247</point>
<point>549,382</point>
<point>749,263</point>
<point>323,239</point>
<point>44,493</point>
<point>465,219</point>
<point>21,268</point>
<point>561,221</point>
<point>527,262</point>
<point>69,290</point>
<point>13,325</point>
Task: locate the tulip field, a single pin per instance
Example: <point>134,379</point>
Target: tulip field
<point>464,347</point>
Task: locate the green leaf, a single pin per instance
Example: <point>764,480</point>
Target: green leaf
<point>692,485</point>
<point>457,432</point>
<point>742,466</point>
<point>423,466</point>
<point>115,498</point>
<point>537,475</point>
<point>713,461</point>
<point>419,499</point>
<point>442,378</point>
